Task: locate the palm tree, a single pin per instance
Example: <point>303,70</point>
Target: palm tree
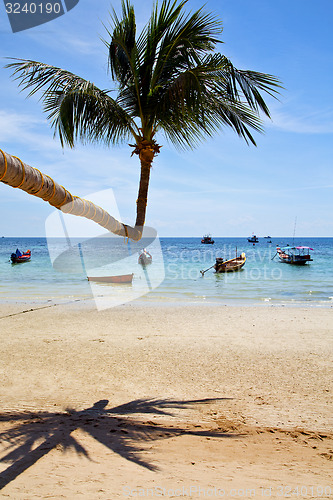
<point>167,79</point>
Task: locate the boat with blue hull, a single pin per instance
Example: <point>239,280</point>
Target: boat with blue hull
<point>253,239</point>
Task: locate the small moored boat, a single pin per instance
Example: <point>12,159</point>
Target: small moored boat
<point>253,239</point>
<point>18,256</point>
<point>207,240</point>
<point>123,278</point>
<point>226,266</point>
<point>145,258</point>
<point>294,255</point>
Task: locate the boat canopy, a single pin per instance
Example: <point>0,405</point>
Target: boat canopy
<point>296,248</point>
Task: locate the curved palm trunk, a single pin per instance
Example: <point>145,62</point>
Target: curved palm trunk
<point>17,174</point>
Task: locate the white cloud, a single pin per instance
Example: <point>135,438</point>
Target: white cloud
<point>68,42</point>
<point>302,122</point>
<point>23,129</point>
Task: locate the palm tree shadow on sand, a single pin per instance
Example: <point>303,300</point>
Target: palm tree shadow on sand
<point>112,427</point>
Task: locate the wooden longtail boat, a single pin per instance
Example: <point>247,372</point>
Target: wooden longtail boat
<point>294,255</point>
<point>226,266</point>
<point>123,278</point>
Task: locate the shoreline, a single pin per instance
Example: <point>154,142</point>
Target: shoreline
<point>155,303</point>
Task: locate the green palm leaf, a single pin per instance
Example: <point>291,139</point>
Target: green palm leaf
<point>76,108</point>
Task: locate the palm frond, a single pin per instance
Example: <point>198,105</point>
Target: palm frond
<point>122,48</point>
<point>88,117</point>
<point>209,96</point>
<point>247,85</point>
<point>184,42</point>
<point>76,107</point>
<point>187,128</point>
<point>151,37</point>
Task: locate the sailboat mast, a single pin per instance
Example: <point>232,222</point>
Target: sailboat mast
<point>294,231</point>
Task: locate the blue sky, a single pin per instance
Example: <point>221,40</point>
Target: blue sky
<point>224,187</point>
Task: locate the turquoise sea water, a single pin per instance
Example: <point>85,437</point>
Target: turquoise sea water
<point>177,266</point>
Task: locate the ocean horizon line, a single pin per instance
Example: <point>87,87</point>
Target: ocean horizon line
<point>182,237</point>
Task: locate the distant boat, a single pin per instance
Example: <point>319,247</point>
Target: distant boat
<point>267,236</point>
<point>253,239</point>
<point>145,258</point>
<point>18,256</point>
<point>123,278</point>
<point>226,266</point>
<point>207,240</point>
<point>294,255</point>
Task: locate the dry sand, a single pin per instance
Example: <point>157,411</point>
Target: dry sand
<point>165,402</point>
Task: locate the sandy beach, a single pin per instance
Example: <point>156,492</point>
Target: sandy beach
<point>165,402</point>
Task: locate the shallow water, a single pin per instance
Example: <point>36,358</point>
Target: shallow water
<point>174,275</point>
